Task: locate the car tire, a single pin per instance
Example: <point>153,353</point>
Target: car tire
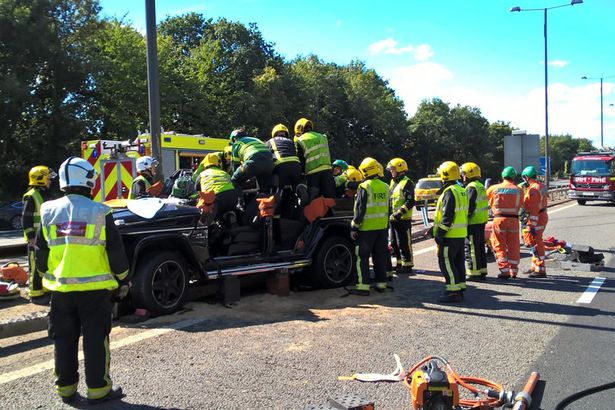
<point>15,223</point>
<point>581,201</point>
<point>160,283</point>
<point>334,262</point>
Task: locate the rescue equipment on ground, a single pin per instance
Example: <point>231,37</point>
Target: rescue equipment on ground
<point>9,291</point>
<point>435,385</point>
<point>13,272</point>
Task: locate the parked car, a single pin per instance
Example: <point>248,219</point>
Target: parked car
<point>10,215</point>
<point>427,189</point>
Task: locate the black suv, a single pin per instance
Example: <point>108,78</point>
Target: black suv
<point>174,250</point>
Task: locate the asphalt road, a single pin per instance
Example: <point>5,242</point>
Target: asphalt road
<point>286,353</point>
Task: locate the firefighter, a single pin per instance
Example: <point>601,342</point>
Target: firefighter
<point>505,201</point>
<point>313,151</point>
<point>250,158</point>
<point>535,204</point>
<point>340,176</point>
<point>214,179</point>
<point>146,168</point>
<point>39,182</point>
<point>81,253</point>
<point>369,227</point>
<point>401,190</point>
<point>450,228</point>
<point>287,166</point>
<point>478,215</point>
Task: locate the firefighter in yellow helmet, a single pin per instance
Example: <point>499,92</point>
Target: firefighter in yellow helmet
<point>401,189</point>
<point>450,228</point>
<point>81,254</point>
<point>313,152</point>
<point>369,227</point>
<point>287,167</point>
<point>39,181</point>
<point>478,215</point>
<point>216,180</point>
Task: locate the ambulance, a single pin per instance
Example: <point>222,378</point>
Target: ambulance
<point>115,161</point>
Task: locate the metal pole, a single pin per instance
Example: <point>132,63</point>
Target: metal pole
<point>153,86</point>
<point>547,171</point>
<point>601,117</point>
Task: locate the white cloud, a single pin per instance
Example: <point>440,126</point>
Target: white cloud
<point>558,63</point>
<point>197,8</point>
<point>573,110</point>
<point>422,52</point>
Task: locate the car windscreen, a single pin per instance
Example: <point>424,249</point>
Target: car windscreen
<point>429,184</point>
<point>591,167</point>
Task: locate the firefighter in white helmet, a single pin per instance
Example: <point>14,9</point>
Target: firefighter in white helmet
<point>146,168</point>
<point>82,259</point>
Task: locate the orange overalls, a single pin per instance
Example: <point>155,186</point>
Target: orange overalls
<point>505,201</point>
<point>535,203</point>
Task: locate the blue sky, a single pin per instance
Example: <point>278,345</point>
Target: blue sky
<point>472,52</point>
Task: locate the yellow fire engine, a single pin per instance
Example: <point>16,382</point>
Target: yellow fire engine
<point>115,161</point>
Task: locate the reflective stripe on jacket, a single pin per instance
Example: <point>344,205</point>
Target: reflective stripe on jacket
<point>481,211</point>
<point>315,151</point>
<point>398,199</point>
<point>504,199</point>
<point>283,150</point>
<point>245,148</point>
<point>377,205</point>
<point>74,228</point>
<point>216,180</point>
<point>535,200</point>
<point>36,216</point>
<point>459,227</point>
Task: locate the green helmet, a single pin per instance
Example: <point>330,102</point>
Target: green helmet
<point>509,173</point>
<point>340,163</point>
<point>529,172</point>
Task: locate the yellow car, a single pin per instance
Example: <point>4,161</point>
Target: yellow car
<point>427,189</point>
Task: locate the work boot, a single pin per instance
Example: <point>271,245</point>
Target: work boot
<point>114,393</point>
<point>42,300</point>
<point>357,292</point>
<point>407,270</point>
<point>70,399</point>
<point>450,297</point>
<point>538,275</point>
<point>474,278</point>
<point>528,272</point>
<point>503,276</point>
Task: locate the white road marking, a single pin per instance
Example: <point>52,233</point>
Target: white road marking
<point>422,251</point>
<point>148,334</point>
<point>561,209</point>
<point>592,290</point>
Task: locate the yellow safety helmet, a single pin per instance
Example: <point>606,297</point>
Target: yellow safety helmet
<point>449,171</point>
<point>398,164</point>
<point>228,152</point>
<point>279,128</point>
<point>301,124</point>
<point>354,174</point>
<point>40,175</point>
<point>212,160</point>
<point>371,168</point>
<point>470,170</point>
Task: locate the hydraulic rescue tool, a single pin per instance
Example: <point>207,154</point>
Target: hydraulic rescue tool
<point>435,385</point>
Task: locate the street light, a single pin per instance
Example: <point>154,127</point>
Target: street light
<point>601,106</point>
<point>519,9</point>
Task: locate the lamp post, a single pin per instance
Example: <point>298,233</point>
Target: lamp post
<point>601,106</point>
<point>544,10</point>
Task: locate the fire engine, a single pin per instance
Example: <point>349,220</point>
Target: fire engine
<point>115,161</point>
<point>592,177</point>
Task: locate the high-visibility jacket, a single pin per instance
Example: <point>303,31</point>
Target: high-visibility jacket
<point>340,180</point>
<point>74,228</point>
<point>132,194</point>
<point>505,199</point>
<point>283,150</point>
<point>315,149</point>
<point>36,216</point>
<point>535,201</point>
<point>398,198</point>
<point>459,227</point>
<point>481,211</point>
<point>216,180</point>
<point>244,148</point>
<point>376,215</point>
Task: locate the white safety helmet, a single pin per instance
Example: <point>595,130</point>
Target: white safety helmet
<point>77,172</point>
<point>146,162</point>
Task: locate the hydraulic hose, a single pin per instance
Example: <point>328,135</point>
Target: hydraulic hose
<point>576,396</point>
